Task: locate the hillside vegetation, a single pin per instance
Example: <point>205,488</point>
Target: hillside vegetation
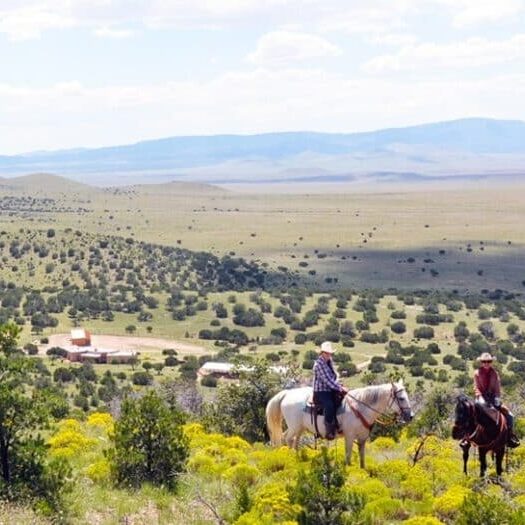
<point>87,448</point>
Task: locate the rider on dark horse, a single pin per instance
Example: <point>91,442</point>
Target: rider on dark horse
<point>487,388</point>
<point>328,392</point>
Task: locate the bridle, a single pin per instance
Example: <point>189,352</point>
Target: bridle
<point>403,409</point>
<point>382,418</point>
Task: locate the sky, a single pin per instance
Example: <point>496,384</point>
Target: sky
<point>89,73</point>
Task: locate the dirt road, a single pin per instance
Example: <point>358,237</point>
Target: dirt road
<point>139,344</point>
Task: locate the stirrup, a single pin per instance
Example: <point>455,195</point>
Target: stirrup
<point>513,442</point>
<point>464,444</point>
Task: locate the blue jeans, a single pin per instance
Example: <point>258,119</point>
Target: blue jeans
<point>329,403</point>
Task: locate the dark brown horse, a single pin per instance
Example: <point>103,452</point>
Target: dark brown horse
<point>485,428</point>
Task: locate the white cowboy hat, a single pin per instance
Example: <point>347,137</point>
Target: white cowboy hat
<point>327,347</point>
<point>485,356</point>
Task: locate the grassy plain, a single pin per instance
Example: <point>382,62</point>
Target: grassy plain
<point>462,237</point>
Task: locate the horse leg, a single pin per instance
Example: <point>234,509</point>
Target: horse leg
<point>482,462</point>
<point>499,461</point>
<point>466,450</point>
<point>297,437</point>
<point>349,443</point>
<point>361,447</point>
<point>289,438</point>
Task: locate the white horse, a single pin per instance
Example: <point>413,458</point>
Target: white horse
<point>362,407</point>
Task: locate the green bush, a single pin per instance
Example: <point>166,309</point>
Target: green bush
<point>484,509</point>
<point>149,444</point>
<point>322,495</point>
<point>209,381</point>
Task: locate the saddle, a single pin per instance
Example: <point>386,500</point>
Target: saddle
<point>491,412</point>
<point>314,409</point>
<point>494,413</point>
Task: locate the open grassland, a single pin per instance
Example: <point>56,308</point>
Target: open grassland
<point>462,238</point>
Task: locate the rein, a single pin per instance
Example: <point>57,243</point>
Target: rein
<point>382,419</point>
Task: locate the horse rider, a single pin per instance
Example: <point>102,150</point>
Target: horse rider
<point>487,388</point>
<point>328,391</point>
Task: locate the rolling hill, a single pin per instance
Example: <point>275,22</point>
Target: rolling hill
<point>468,147</point>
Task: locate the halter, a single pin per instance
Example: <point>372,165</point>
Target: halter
<point>393,397</point>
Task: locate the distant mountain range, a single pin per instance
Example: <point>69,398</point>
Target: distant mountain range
<point>469,148</point>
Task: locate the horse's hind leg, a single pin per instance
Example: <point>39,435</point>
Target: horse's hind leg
<point>291,438</point>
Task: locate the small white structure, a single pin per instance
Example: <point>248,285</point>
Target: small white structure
<point>217,368</point>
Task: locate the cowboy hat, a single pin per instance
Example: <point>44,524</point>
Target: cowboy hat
<point>327,347</point>
<point>485,356</point>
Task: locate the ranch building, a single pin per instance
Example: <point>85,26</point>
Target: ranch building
<point>80,337</point>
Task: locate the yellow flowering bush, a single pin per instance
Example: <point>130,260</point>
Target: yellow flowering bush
<point>382,509</point>
<point>273,500</point>
<point>447,505</point>
<point>254,518</point>
<point>423,520</point>
<point>101,420</point>
<point>371,488</point>
<point>275,460</point>
<point>383,443</point>
<point>242,474</point>
<point>99,472</point>
<point>70,440</point>
<point>443,471</point>
<point>205,465</point>
<point>194,431</point>
<point>417,485</point>
<point>392,472</point>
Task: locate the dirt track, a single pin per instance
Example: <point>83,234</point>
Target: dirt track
<point>141,344</point>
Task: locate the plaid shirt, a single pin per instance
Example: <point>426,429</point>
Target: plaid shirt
<point>325,378</point>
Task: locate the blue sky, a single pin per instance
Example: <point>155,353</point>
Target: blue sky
<point>84,73</point>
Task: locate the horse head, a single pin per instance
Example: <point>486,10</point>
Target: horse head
<point>464,417</point>
<point>401,401</point>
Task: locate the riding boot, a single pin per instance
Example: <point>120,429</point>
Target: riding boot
<point>512,440</point>
<point>331,431</point>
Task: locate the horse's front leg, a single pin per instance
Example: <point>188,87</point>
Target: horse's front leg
<point>499,461</point>
<point>362,443</point>
<point>482,462</point>
<point>349,443</point>
<point>466,449</point>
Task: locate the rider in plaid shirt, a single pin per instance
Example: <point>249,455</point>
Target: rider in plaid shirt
<point>326,387</point>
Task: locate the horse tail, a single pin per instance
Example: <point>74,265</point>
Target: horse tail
<point>274,418</point>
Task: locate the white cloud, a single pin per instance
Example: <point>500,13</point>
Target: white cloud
<point>263,100</point>
<point>24,19</point>
<point>393,39</point>
<point>110,32</point>
<point>284,47</point>
<point>473,12</point>
<point>28,22</point>
<point>471,53</point>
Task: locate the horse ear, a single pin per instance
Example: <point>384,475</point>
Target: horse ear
<point>400,382</point>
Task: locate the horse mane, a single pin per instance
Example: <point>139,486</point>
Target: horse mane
<point>369,394</point>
